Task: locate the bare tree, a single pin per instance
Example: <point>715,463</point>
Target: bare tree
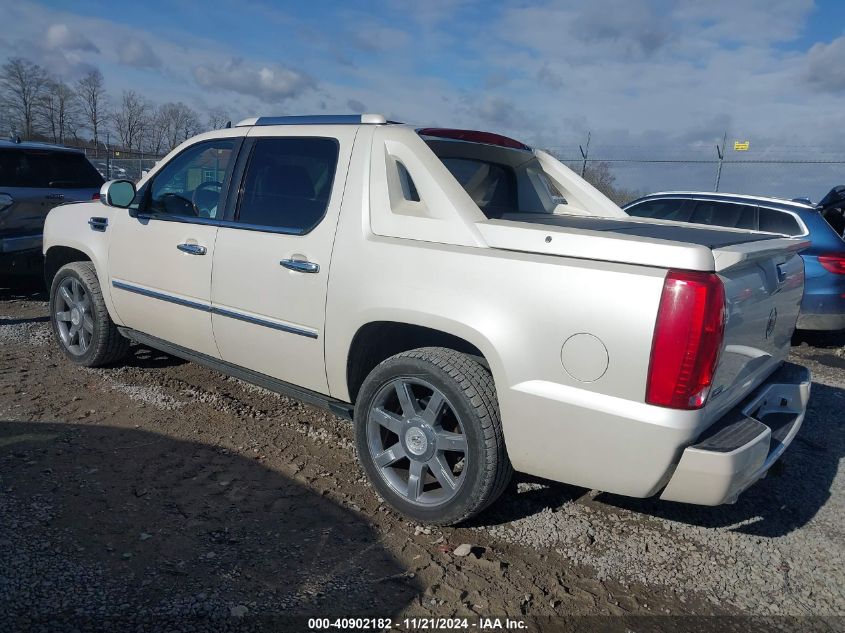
<point>216,119</point>
<point>131,118</point>
<point>59,110</point>
<point>600,176</point>
<point>191,125</point>
<point>22,83</point>
<point>179,123</point>
<point>156,136</point>
<point>94,103</point>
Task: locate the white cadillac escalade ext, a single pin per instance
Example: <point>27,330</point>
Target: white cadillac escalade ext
<point>470,303</point>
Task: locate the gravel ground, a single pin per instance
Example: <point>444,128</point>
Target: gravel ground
<point>780,549</point>
<point>162,491</point>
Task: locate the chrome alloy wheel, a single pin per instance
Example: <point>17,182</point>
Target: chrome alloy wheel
<point>74,318</point>
<point>417,441</point>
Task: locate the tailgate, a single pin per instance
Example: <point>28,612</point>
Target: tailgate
<point>764,284</point>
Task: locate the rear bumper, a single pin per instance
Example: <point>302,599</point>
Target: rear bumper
<point>823,308</point>
<point>740,448</point>
<point>825,322</point>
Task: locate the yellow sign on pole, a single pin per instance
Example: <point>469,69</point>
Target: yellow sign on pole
<point>741,146</point>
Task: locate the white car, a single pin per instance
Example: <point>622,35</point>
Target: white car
<point>470,303</point>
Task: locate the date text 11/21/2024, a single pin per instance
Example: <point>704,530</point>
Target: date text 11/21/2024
<point>418,624</point>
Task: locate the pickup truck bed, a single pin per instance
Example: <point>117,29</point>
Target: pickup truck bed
<point>669,231</point>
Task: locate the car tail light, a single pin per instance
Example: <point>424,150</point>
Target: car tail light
<point>687,340</point>
<point>833,263</point>
<point>96,196</point>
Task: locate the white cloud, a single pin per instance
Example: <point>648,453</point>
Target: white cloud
<point>138,53</point>
<point>269,83</point>
<point>63,37</point>
<point>825,69</point>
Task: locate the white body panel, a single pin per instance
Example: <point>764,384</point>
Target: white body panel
<point>531,298</point>
<point>248,279</point>
<point>143,255</point>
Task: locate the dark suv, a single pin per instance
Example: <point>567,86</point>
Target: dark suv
<point>823,306</point>
<point>34,178</point>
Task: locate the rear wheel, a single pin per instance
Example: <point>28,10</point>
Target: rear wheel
<point>81,322</point>
<point>429,436</point>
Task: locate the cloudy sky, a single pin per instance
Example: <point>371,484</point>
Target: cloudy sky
<point>648,78</point>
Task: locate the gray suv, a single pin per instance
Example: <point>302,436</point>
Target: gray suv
<point>34,178</point>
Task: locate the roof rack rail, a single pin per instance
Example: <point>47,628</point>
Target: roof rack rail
<point>316,119</point>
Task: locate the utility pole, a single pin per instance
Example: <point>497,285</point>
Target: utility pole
<point>720,152</point>
<point>585,151</point>
<point>108,163</point>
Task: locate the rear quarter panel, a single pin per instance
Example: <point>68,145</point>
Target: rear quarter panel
<point>520,309</point>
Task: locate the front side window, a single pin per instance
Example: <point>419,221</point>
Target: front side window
<point>288,183</point>
<point>190,185</point>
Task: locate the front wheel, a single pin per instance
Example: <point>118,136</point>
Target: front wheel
<point>429,437</point>
<point>80,319</point>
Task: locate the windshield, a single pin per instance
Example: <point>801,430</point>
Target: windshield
<point>38,168</point>
<point>501,181</point>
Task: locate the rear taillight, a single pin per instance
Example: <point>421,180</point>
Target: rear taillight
<point>687,340</point>
<point>96,196</point>
<point>833,263</point>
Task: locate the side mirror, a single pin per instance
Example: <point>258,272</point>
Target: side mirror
<point>117,193</point>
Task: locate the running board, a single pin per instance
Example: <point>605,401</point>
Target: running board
<point>338,407</point>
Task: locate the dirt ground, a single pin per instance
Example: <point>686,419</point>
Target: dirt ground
<point>160,491</point>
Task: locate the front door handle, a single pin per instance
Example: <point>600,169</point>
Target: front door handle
<point>192,249</point>
<point>300,266</point>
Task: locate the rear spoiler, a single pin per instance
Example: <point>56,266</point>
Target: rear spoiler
<point>728,257</point>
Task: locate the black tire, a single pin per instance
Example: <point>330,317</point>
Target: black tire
<point>106,344</point>
<point>470,392</point>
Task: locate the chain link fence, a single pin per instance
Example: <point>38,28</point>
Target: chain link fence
<point>121,165</point>
<point>627,172</point>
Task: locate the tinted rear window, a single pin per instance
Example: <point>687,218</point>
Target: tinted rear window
<point>666,209</point>
<point>736,216</point>
<point>773,221</point>
<point>47,169</point>
<point>491,186</point>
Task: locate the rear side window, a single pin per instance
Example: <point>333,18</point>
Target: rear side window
<point>288,182</point>
<point>773,221</point>
<point>409,189</point>
<point>737,216</point>
<point>666,209</point>
<point>44,169</point>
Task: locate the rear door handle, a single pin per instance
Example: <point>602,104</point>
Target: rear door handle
<point>192,249</point>
<point>300,265</point>
<point>781,272</point>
